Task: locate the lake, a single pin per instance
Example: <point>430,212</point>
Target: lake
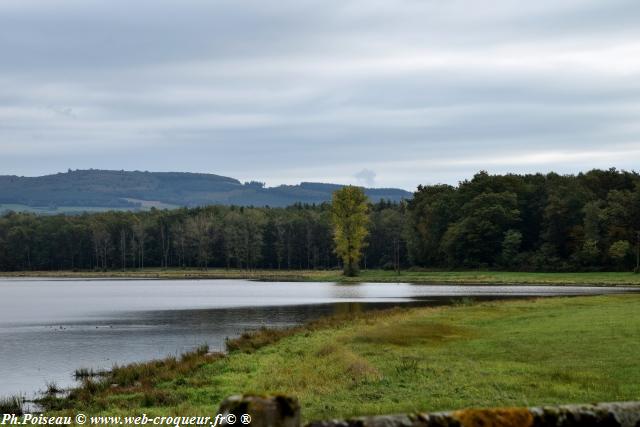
<point>49,328</point>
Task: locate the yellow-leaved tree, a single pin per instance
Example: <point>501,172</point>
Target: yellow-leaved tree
<point>350,217</point>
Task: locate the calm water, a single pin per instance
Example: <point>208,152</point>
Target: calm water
<point>48,328</point>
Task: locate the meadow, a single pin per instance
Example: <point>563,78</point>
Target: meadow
<point>508,353</point>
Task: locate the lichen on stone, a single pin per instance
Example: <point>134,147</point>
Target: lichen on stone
<point>507,417</point>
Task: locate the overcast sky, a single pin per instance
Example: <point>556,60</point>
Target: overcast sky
<point>376,92</point>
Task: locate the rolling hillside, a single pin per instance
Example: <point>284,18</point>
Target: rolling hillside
<point>90,190</point>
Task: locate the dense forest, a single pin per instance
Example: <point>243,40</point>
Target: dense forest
<point>589,221</point>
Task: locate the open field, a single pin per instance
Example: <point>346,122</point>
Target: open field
<point>430,277</point>
<point>44,210</point>
<point>517,353</point>
<point>77,210</point>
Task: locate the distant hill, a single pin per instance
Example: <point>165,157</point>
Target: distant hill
<point>94,189</point>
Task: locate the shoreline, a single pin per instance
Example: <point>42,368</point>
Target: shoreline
<point>452,299</point>
<point>470,277</point>
<point>391,353</point>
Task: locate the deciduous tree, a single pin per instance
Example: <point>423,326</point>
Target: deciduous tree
<point>350,226</point>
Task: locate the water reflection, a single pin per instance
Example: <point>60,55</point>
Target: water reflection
<point>50,328</point>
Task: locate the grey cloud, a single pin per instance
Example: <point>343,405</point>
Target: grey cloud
<point>419,91</point>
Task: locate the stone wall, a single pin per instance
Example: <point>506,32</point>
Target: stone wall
<point>284,411</point>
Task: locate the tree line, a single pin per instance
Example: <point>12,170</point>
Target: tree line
<point>535,222</point>
<point>295,237</point>
<point>538,222</point>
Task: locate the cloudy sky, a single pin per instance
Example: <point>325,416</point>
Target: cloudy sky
<point>384,93</point>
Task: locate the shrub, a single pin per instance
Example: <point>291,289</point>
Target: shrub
<point>11,405</point>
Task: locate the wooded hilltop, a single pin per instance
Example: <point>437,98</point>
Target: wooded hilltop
<point>536,222</point>
<point>102,190</point>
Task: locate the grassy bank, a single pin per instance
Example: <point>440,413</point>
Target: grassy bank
<point>432,277</point>
<point>527,352</point>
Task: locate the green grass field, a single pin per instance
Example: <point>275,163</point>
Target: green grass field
<point>56,210</point>
<point>43,210</point>
<point>515,353</point>
<point>432,277</point>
